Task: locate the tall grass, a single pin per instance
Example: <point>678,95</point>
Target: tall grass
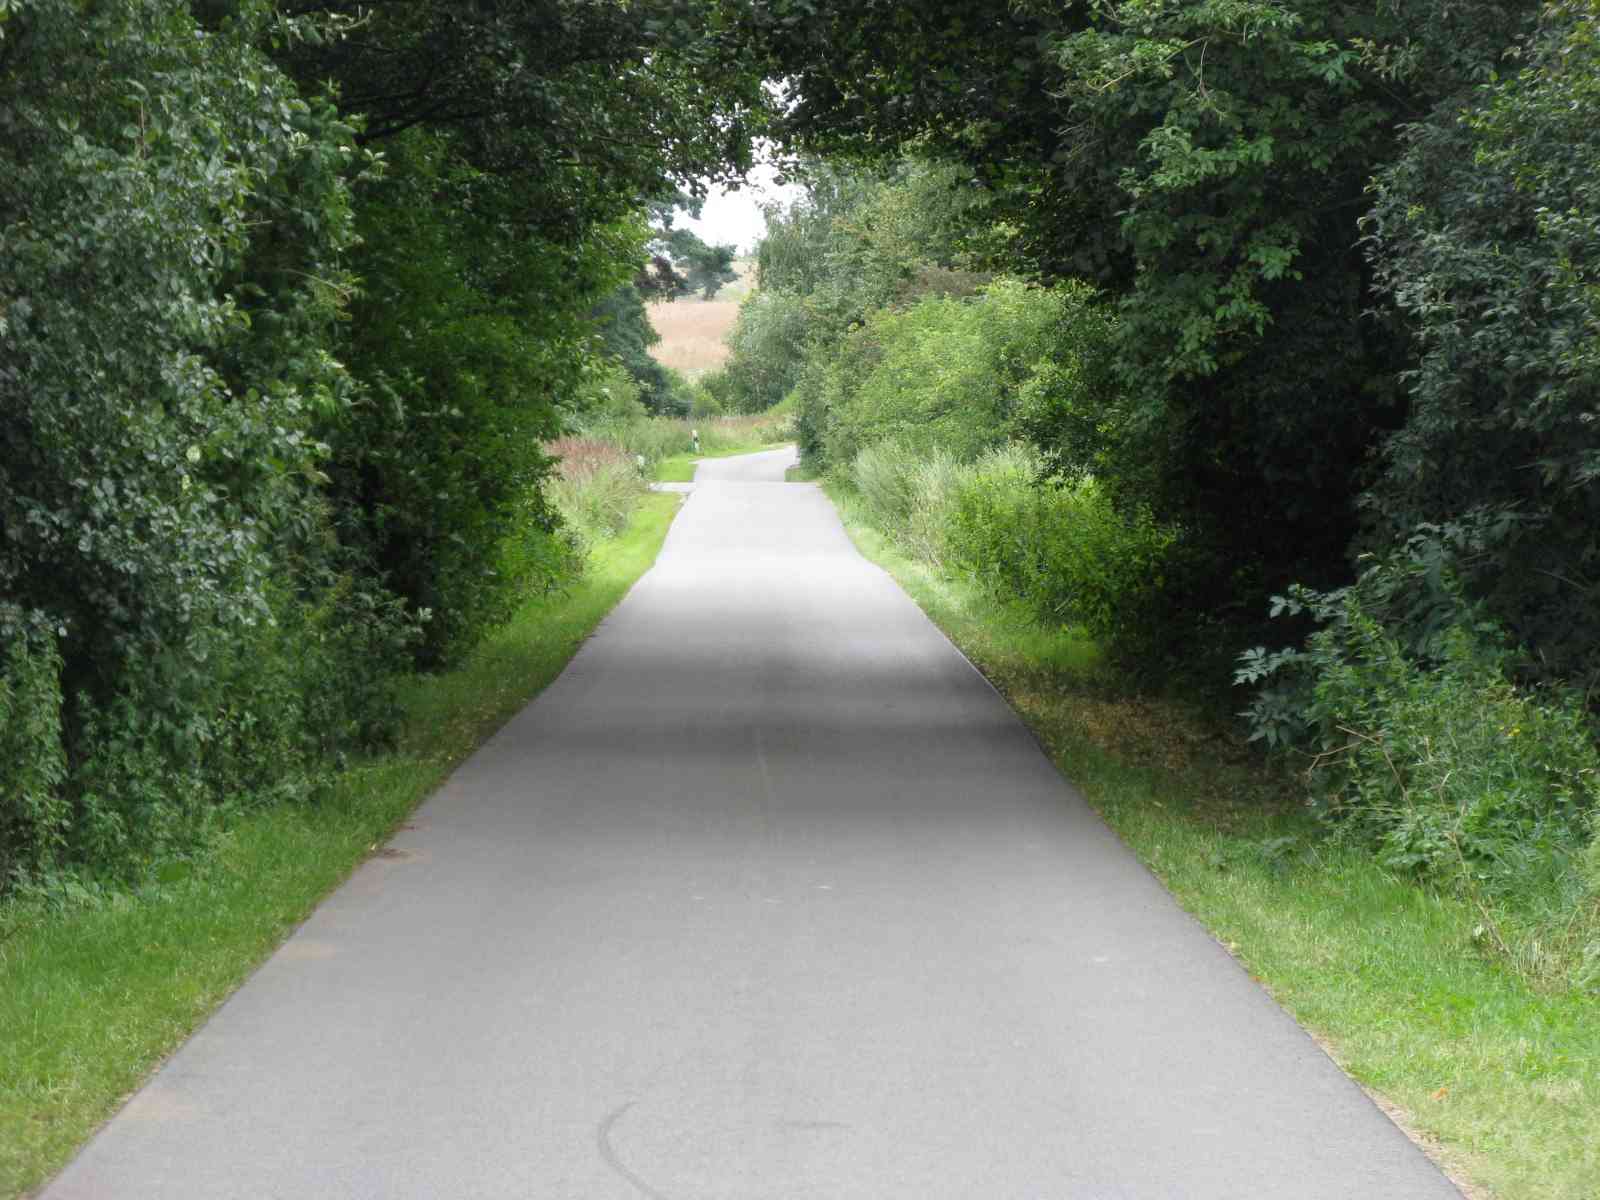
<point>656,438</point>
<point>595,487</point>
<point>907,494</point>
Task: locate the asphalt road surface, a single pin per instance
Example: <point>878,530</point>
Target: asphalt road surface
<point>768,897</point>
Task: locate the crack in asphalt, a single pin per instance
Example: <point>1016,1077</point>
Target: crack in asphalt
<point>608,1154</point>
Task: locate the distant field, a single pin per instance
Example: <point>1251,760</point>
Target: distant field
<point>694,331</point>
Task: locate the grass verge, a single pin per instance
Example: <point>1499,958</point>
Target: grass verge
<point>93,998</point>
<point>1498,1080</point>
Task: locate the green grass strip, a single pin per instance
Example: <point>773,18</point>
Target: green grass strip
<point>1499,1081</point>
<point>93,999</point>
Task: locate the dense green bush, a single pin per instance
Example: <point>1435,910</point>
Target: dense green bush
<point>1062,548</point>
<point>1487,233</point>
<point>172,219</point>
<point>859,240</point>
<point>1057,546</point>
<point>1205,165</point>
<point>1427,750</point>
<point>608,394</point>
<point>953,372</point>
<point>34,815</point>
<point>465,364</point>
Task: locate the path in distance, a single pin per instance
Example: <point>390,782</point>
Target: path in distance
<point>768,897</point>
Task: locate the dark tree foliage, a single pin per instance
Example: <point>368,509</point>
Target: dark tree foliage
<point>466,344</point>
<point>521,141</point>
<point>1207,163</point>
<point>696,266</point>
<point>1487,233</point>
<point>175,631</point>
<point>599,104</point>
<point>241,455</point>
<point>627,335</point>
<point>706,268</point>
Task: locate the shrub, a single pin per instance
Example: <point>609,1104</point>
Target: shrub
<point>961,373</point>
<point>1062,548</point>
<point>651,438</point>
<point>1057,546</point>
<point>174,217</point>
<point>1486,232</point>
<point>1435,757</point>
<point>609,393</point>
<point>461,355</point>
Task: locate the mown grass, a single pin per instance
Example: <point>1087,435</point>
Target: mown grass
<point>93,998</point>
<point>1498,1079</point>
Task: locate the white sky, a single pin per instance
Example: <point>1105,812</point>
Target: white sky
<point>736,216</point>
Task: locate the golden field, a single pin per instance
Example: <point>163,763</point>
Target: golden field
<point>693,331</point>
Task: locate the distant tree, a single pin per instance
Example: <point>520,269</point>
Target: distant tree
<point>700,267</point>
<point>627,335</point>
<point>706,268</point>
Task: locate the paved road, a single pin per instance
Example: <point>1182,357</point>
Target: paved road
<point>768,897</point>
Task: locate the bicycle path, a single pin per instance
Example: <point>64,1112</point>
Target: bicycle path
<point>768,897</point>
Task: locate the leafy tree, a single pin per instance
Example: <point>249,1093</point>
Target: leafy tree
<point>693,265</point>
<point>1206,162</point>
<point>1485,233</point>
<point>596,107</point>
<point>517,165</point>
<point>706,268</point>
<point>465,365</point>
<point>162,584</point>
<point>854,241</point>
<point>767,350</point>
<point>627,335</point>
